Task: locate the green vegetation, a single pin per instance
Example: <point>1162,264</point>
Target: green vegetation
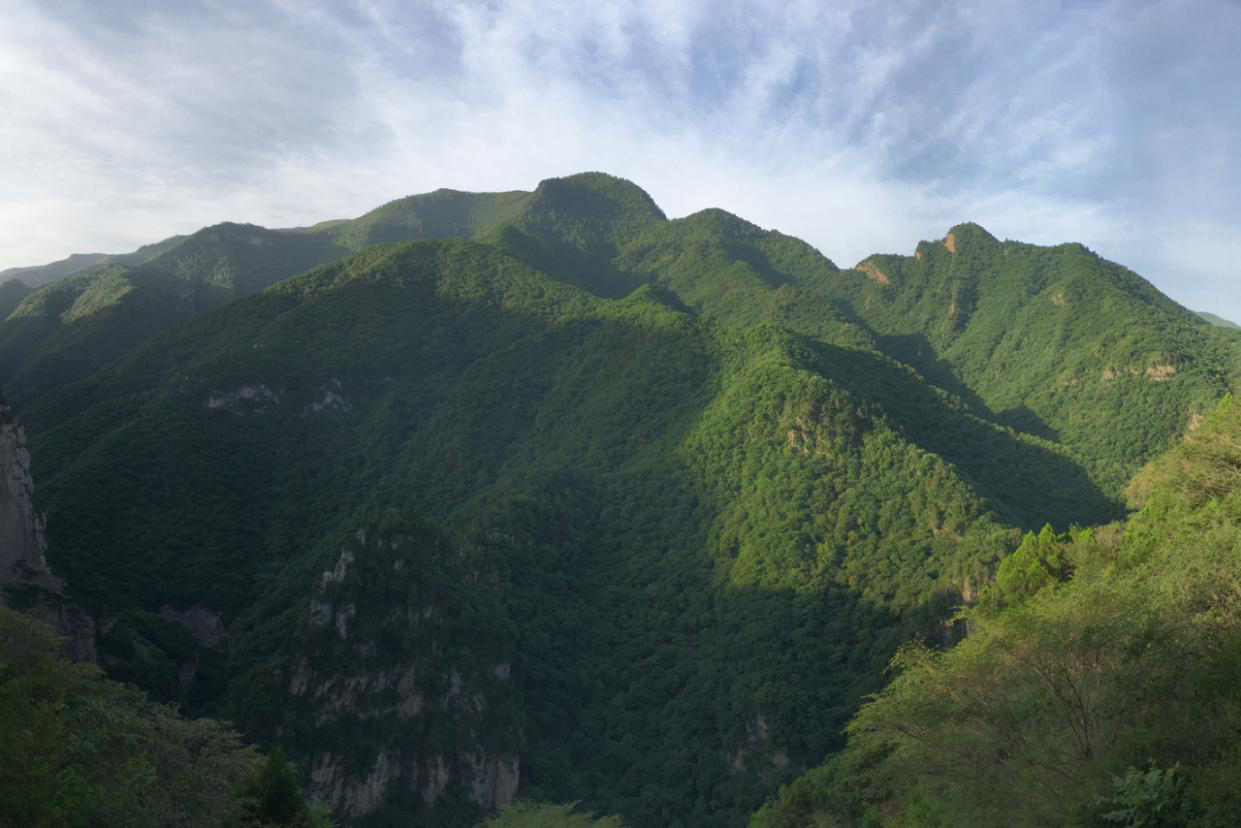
<point>1084,694</point>
<point>12,294</point>
<point>1053,341</point>
<point>41,275</point>
<point>536,815</point>
<point>645,504</point>
<point>71,327</point>
<point>588,472</point>
<point>79,750</point>
<point>1218,320</point>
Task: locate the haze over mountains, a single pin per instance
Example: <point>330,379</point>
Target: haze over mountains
<point>543,494</point>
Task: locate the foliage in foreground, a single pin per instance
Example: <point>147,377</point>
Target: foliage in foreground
<point>79,750</point>
<point>1108,696</point>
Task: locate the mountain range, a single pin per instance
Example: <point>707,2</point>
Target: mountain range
<point>546,495</point>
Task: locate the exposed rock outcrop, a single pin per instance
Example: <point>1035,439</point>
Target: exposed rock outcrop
<point>379,669</point>
<point>954,630</point>
<point>872,272</point>
<point>207,628</point>
<point>245,398</point>
<point>26,580</point>
<point>757,754</point>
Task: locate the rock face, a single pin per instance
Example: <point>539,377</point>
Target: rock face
<point>209,633</point>
<point>758,755</point>
<point>26,581</point>
<point>383,694</point>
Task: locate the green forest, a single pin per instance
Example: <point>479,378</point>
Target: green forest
<point>1098,686</point>
<point>544,509</point>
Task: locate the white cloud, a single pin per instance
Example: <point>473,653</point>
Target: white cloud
<point>859,129</point>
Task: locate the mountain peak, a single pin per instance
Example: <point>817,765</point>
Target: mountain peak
<point>592,189</point>
<point>722,219</point>
<point>967,233</point>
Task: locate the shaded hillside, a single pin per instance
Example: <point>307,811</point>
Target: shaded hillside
<point>78,749</point>
<point>12,293</point>
<point>72,327</point>
<point>42,274</point>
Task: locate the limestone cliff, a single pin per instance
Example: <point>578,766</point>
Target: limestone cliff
<point>26,580</point>
<point>394,692</point>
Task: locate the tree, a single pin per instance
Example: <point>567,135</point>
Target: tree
<point>79,750</point>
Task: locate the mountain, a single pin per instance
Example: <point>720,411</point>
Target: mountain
<point>42,274</point>
<point>1218,320</point>
<point>69,328</point>
<point>1052,341</point>
<point>16,283</point>
<point>544,494</point>
<point>456,509</point>
<point>39,275</point>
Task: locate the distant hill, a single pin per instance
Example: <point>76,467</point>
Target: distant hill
<point>1218,320</point>
<point>70,327</point>
<point>40,275</point>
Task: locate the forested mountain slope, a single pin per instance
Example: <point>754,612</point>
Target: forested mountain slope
<point>73,326</point>
<point>1218,320</point>
<point>17,283</point>
<point>1053,341</point>
<point>79,750</point>
<point>1100,686</point>
<point>41,275</point>
<point>594,505</point>
<point>634,537</point>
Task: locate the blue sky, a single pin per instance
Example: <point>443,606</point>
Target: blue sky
<point>859,126</point>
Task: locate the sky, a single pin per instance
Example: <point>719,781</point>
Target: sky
<point>861,127</point>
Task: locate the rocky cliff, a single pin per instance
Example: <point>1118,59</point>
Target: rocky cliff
<point>393,691</point>
<point>26,581</point>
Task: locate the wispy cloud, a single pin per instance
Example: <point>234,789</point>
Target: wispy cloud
<point>857,126</point>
